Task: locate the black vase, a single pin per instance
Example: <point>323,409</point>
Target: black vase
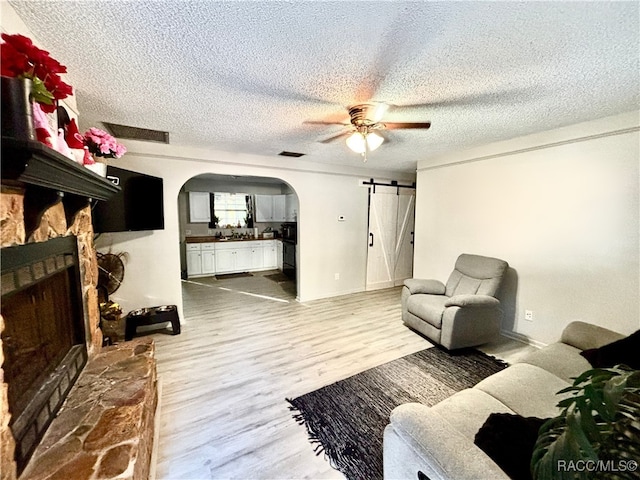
<point>17,111</point>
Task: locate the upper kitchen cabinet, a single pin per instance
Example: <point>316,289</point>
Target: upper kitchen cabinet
<point>276,208</point>
<point>291,208</point>
<point>264,208</point>
<point>279,208</point>
<point>270,208</point>
<point>199,207</point>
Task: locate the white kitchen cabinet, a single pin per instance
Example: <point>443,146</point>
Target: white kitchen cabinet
<point>270,208</point>
<point>291,208</point>
<point>244,259</point>
<point>279,212</point>
<point>280,252</point>
<point>264,208</point>
<point>208,258</point>
<point>225,260</point>
<point>230,257</point>
<point>257,258</point>
<point>200,259</point>
<point>194,262</point>
<point>199,208</point>
<point>238,256</point>
<point>270,254</point>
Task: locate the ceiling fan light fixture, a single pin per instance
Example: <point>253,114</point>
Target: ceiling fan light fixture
<point>356,141</point>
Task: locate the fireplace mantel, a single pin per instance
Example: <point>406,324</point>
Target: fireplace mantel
<point>49,177</point>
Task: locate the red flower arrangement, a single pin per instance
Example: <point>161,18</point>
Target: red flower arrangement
<point>20,58</point>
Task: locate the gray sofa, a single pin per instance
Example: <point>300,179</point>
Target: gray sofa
<point>439,441</point>
<point>463,313</point>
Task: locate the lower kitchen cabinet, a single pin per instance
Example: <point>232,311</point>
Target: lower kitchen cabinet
<point>232,257</point>
<point>208,258</point>
<point>201,259</point>
<point>280,255</point>
<point>257,257</point>
<point>226,260</point>
<point>238,256</point>
<point>270,254</point>
<point>194,262</point>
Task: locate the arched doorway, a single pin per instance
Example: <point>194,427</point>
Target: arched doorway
<point>238,225</point>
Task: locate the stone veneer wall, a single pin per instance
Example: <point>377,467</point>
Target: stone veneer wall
<point>105,427</point>
<point>53,224</point>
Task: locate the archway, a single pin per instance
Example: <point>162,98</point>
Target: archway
<point>216,211</point>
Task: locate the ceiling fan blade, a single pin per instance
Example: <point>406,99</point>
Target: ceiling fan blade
<point>333,138</point>
<point>320,122</point>
<point>396,126</point>
<point>394,46</point>
<point>253,86</point>
<point>498,97</point>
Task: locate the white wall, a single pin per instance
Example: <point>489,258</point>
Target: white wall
<point>561,207</point>
<point>325,246</point>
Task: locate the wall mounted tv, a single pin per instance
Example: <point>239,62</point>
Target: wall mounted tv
<point>138,206</point>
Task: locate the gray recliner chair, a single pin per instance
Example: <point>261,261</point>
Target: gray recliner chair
<point>463,313</point>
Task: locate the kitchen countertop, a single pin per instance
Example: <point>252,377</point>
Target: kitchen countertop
<point>211,239</point>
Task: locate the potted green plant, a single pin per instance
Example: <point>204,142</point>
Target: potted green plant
<point>597,433</point>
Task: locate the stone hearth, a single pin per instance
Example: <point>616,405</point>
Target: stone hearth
<point>105,428</point>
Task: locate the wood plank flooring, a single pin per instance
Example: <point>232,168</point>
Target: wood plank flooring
<point>245,346</point>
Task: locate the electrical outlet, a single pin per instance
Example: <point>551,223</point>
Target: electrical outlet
<point>337,276</point>
<point>528,315</point>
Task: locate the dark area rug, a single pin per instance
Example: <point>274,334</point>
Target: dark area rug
<point>224,276</point>
<point>346,420</point>
<point>278,277</point>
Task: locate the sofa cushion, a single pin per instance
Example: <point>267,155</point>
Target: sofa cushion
<point>560,359</point>
<point>468,409</point>
<point>509,441</point>
<point>584,335</point>
<point>625,351</point>
<point>428,307</point>
<point>419,439</point>
<point>526,389</point>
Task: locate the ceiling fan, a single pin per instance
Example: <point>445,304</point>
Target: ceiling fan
<point>365,120</point>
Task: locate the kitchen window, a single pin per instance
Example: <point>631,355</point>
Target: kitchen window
<point>231,209</point>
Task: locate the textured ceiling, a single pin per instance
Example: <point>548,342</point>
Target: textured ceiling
<point>244,76</point>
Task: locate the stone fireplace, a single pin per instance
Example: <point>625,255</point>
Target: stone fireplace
<point>58,417</point>
<point>44,335</point>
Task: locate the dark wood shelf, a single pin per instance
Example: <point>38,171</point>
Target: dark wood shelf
<point>33,163</point>
<point>49,177</point>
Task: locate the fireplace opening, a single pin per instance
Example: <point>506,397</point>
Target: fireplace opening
<point>43,340</point>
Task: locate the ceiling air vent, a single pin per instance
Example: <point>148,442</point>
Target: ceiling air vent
<point>284,153</point>
<point>135,133</point>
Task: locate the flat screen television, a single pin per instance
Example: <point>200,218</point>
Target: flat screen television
<point>138,206</point>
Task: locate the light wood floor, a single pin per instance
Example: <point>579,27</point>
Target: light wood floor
<point>245,346</point>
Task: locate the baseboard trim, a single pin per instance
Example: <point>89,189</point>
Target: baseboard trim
<point>328,295</point>
<point>522,338</point>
